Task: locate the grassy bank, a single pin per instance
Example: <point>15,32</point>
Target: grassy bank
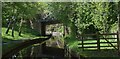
<point>104,53</point>
<point>26,34</point>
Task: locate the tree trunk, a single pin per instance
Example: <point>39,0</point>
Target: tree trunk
<point>63,30</point>
<point>73,30</point>
<point>9,24</point>
<point>13,28</point>
<point>31,24</point>
<point>73,26</point>
<point>66,31</point>
<point>21,22</point>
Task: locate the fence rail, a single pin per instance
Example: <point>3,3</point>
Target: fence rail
<point>100,41</point>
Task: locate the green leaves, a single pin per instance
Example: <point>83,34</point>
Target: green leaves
<point>101,14</point>
<point>82,14</point>
<point>26,10</point>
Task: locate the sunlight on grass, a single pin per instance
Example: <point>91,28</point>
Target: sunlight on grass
<point>16,37</point>
<point>93,52</point>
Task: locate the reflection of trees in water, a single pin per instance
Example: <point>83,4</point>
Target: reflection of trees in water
<point>56,42</point>
<point>57,32</point>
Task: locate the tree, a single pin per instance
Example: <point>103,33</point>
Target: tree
<point>79,16</point>
<point>106,15</point>
<point>17,12</point>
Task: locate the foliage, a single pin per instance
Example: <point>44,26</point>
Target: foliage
<point>85,17</point>
<point>17,13</point>
<point>66,14</point>
<point>81,17</point>
<point>77,15</point>
<point>102,15</point>
<point>25,10</point>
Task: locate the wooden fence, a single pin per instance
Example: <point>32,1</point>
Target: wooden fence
<point>98,41</point>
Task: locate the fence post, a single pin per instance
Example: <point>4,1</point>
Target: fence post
<point>118,40</point>
<point>82,44</point>
<point>118,29</point>
<point>98,42</point>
